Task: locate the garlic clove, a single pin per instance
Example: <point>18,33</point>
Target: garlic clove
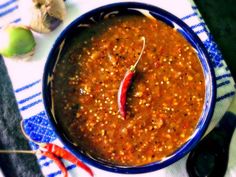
<point>43,16</point>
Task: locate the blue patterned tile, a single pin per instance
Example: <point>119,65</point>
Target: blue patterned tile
<point>38,128</point>
<point>49,133</point>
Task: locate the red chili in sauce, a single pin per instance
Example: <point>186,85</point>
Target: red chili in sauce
<point>126,83</point>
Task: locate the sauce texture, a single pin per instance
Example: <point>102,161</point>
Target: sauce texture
<point>163,104</point>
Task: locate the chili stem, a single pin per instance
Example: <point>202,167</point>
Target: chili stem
<point>126,83</point>
<point>17,152</point>
<point>140,55</point>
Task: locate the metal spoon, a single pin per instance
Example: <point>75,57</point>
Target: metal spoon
<point>210,156</point>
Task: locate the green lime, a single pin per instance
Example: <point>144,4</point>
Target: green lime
<point>16,41</point>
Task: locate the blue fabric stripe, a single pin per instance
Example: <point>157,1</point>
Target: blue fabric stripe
<point>27,86</point>
<point>42,158</point>
<point>188,16</point>
<point>16,20</point>
<point>70,167</point>
<point>194,7</point>
<point>227,95</point>
<point>8,11</point>
<point>54,174</point>
<point>29,98</point>
<point>223,83</point>
<point>30,105</point>
<point>223,76</point>
<point>46,163</point>
<point>197,25</point>
<point>201,31</point>
<point>7,4</point>
<point>59,172</point>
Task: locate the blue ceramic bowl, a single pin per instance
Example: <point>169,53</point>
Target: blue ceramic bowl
<point>124,8</point>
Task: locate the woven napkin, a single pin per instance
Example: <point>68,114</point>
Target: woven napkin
<point>26,79</point>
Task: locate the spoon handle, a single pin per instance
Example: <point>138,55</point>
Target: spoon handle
<point>210,157</point>
<point>225,128</point>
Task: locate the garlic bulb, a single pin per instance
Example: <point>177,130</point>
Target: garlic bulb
<point>43,16</point>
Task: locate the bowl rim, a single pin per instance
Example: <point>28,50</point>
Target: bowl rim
<point>180,152</point>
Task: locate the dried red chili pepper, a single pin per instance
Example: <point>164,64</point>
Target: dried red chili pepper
<point>57,161</point>
<point>60,152</point>
<point>125,84</point>
<point>52,151</point>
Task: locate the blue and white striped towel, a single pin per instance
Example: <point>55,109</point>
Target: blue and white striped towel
<point>26,79</point>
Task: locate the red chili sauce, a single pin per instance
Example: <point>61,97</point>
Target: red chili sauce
<point>164,102</point>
